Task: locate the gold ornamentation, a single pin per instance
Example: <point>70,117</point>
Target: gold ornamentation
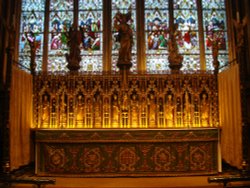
<point>150,101</point>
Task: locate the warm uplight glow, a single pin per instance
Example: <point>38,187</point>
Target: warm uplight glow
<point>159,101</point>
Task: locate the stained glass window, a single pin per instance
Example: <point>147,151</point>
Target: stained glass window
<point>123,6</point>
<point>31,29</point>
<point>48,26</point>
<point>90,22</point>
<point>156,26</point>
<point>214,22</point>
<point>185,15</point>
<point>60,20</point>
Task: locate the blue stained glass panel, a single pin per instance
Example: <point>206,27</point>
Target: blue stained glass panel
<point>90,5</point>
<point>35,5</point>
<point>31,30</point>
<point>90,19</point>
<point>185,4</point>
<point>90,24</point>
<point>213,4</point>
<point>215,28</point>
<point>60,20</point>
<point>61,5</point>
<point>186,19</point>
<point>156,27</point>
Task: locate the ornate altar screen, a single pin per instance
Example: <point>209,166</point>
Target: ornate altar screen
<point>155,101</point>
<point>150,121</point>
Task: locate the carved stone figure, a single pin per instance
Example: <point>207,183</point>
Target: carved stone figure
<point>45,112</point>
<point>74,40</point>
<point>169,111</point>
<point>79,112</point>
<point>115,112</point>
<point>204,111</point>
<point>88,114</point>
<point>240,26</point>
<point>34,45</point>
<point>152,111</point>
<point>134,112</point>
<point>125,36</point>
<point>97,111</point>
<point>106,113</point>
<point>175,59</point>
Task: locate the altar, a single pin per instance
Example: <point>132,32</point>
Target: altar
<point>97,126</point>
<point>111,153</point>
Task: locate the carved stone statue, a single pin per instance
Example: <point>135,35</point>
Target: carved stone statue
<point>204,111</point>
<point>45,112</point>
<point>175,59</point>
<point>74,57</point>
<point>34,45</point>
<point>97,112</point>
<point>239,26</point>
<point>125,37</point>
<point>115,112</point>
<point>152,111</point>
<point>134,111</point>
<point>80,112</point>
<point>169,111</point>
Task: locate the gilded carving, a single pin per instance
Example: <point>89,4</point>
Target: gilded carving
<point>156,101</point>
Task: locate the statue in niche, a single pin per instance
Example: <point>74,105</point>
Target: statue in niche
<point>175,59</point>
<point>196,113</point>
<point>97,110</point>
<point>63,112</point>
<point>143,113</point>
<point>125,36</point>
<point>152,111</point>
<point>179,112</point>
<point>73,57</point>
<point>134,111</point>
<point>88,114</point>
<point>160,111</point>
<point>188,109</point>
<point>169,111</point>
<point>124,110</point>
<point>45,112</point>
<point>53,113</point>
<point>71,113</point>
<point>115,112</point>
<point>80,112</point>
<point>106,112</point>
<point>204,111</point>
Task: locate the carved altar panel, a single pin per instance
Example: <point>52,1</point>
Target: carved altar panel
<point>107,153</point>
